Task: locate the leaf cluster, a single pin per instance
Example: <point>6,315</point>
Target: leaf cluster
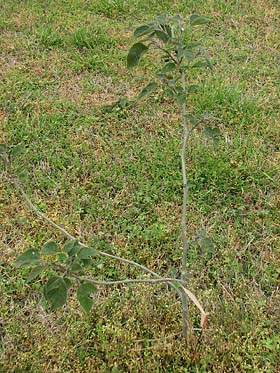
<point>168,35</point>
<point>178,55</point>
<point>68,264</point>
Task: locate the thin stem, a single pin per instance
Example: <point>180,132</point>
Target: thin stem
<point>186,134</point>
<point>187,292</point>
<point>127,281</point>
<point>168,280</point>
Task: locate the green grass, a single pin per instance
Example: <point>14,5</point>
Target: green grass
<point>113,178</point>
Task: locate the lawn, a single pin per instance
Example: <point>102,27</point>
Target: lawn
<point>112,178</point>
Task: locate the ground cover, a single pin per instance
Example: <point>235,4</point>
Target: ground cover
<point>113,178</point>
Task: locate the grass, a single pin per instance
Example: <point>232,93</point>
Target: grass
<point>114,178</point>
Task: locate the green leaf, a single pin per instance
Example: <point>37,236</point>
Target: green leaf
<point>168,30</point>
<point>148,89</point>
<point>49,248</point>
<point>170,66</point>
<point>200,64</point>
<point>43,303</point>
<point>68,282</point>
<point>161,35</point>
<point>135,54</point>
<point>71,247</point>
<point>181,98</point>
<point>177,17</point>
<point>192,119</point>
<point>86,252</point>
<point>62,257</point>
<point>30,256</point>
<point>180,52</point>
<point>55,292</point>
<point>76,267</point>
<point>196,19</point>
<point>213,133</point>
<point>189,55</point>
<point>169,92</point>
<point>142,30</point>
<point>83,294</point>
<point>86,262</point>
<point>122,103</point>
<point>192,44</point>
<point>161,20</point>
<point>179,89</point>
<point>35,272</point>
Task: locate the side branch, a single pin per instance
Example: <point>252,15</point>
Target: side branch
<point>187,293</point>
<point>181,289</point>
<point>69,236</point>
<point>128,281</point>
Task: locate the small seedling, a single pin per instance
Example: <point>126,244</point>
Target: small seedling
<point>68,264</point>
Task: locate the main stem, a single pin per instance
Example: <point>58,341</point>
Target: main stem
<point>185,311</point>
